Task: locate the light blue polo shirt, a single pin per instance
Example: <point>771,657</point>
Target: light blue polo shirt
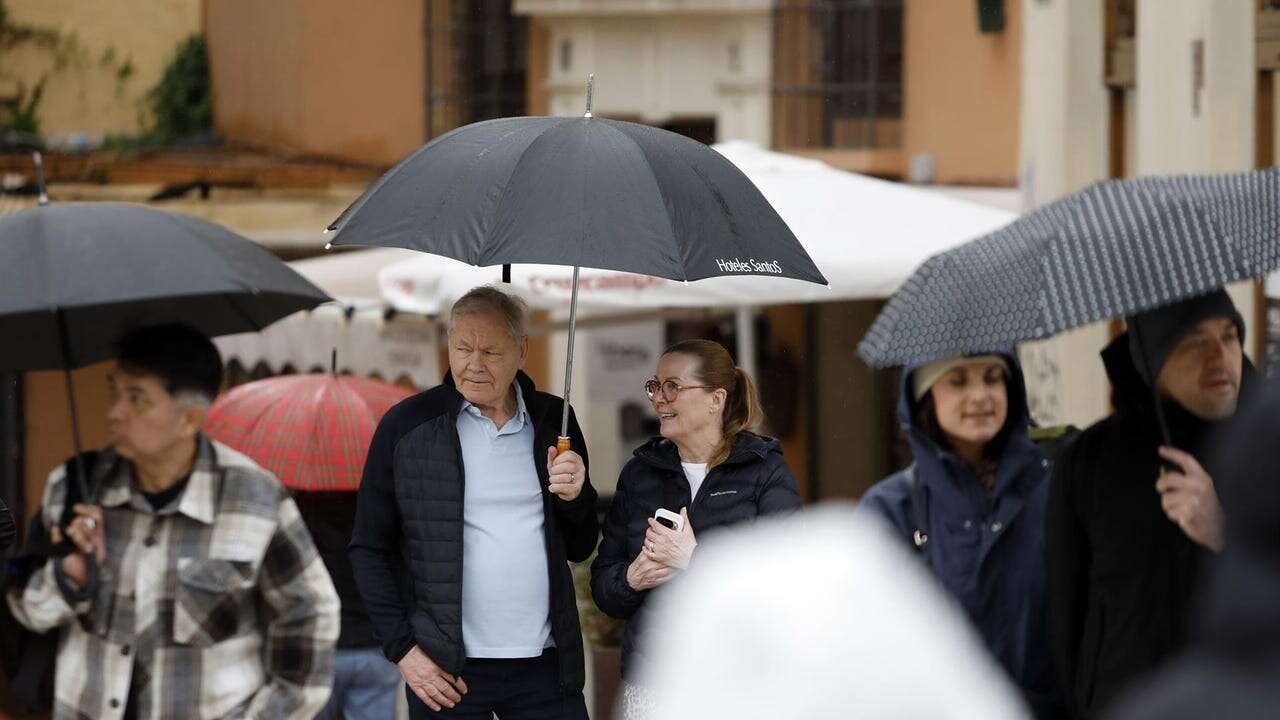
<point>506,591</point>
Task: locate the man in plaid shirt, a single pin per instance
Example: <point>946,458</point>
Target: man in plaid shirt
<point>210,600</point>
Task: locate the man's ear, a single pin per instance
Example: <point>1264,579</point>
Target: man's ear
<point>191,419</point>
<point>524,351</point>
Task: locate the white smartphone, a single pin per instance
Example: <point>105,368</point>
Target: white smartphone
<point>672,520</point>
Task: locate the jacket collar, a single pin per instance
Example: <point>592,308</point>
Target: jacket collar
<point>747,447</point>
<point>198,500</point>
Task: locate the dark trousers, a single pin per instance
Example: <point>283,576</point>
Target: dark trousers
<point>518,689</point>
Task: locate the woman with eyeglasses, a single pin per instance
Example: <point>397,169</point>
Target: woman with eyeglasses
<point>708,468</point>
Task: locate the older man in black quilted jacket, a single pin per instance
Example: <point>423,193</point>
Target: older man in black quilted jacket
<point>466,520</point>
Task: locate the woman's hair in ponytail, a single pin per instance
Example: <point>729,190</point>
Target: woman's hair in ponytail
<point>714,367</point>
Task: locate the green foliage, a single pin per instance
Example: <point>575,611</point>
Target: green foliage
<point>25,119</point>
<point>65,50</point>
<point>181,103</point>
<point>599,629</point>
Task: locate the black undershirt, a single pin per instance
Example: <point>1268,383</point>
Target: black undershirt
<point>157,501</point>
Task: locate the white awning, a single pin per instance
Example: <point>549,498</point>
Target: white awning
<point>367,341</point>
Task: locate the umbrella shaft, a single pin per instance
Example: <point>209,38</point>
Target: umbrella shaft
<point>81,482</point>
<point>568,365</point>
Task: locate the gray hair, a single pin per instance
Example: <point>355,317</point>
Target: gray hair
<point>193,398</point>
<point>488,300</point>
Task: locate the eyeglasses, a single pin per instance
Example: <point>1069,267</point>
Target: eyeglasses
<point>670,389</point>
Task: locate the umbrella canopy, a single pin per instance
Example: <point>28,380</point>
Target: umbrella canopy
<point>84,272</point>
<point>866,234</point>
<point>1113,249</point>
<point>581,192</point>
<point>312,431</point>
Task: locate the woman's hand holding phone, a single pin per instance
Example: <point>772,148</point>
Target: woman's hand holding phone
<point>670,546</point>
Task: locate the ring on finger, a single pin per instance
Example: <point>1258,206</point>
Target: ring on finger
<point>90,523</point>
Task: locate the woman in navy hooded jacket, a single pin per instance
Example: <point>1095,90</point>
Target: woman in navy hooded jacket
<point>973,506</point>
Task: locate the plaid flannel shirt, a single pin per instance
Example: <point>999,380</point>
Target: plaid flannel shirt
<point>220,597</point>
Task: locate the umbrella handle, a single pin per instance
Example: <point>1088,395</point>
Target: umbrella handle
<point>562,445</point>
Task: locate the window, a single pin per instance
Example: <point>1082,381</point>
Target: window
<point>837,73</point>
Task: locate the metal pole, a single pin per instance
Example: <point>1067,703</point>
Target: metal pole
<point>1155,391</point>
<point>563,443</point>
<point>744,318</point>
<point>81,482</point>
<point>42,198</point>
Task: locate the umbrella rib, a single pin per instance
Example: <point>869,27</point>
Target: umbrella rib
<point>666,212</point>
<point>244,315</point>
<point>360,202</point>
<point>485,238</point>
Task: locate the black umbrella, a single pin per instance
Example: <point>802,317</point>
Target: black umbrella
<point>74,276</point>
<point>1116,248</point>
<point>580,192</point>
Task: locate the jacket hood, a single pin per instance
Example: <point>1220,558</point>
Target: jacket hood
<point>1016,388</point>
<point>748,447</point>
<point>1128,390</point>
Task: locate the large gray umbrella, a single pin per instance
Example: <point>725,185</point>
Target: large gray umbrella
<point>1116,248</point>
<point>75,276</point>
<point>580,192</point>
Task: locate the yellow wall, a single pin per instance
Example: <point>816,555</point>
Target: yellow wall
<point>319,77</point>
<point>961,91</point>
<point>85,96</point>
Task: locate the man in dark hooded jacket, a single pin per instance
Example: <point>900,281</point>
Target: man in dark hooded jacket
<point>1231,667</point>
<point>1130,520</point>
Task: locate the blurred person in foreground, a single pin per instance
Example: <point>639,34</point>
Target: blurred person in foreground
<point>1231,668</point>
<point>1131,521</point>
<point>821,616</point>
<point>210,600</point>
<point>466,523</point>
<point>708,467</point>
<point>973,504</point>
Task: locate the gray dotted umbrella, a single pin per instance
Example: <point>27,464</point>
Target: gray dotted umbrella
<point>1113,249</point>
<point>579,192</point>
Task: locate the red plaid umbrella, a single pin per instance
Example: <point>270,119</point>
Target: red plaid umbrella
<point>312,431</point>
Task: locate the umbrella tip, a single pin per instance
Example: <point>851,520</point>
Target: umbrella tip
<point>328,246</point>
<point>591,84</point>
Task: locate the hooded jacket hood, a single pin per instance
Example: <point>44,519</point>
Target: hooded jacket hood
<point>924,448</point>
<point>1132,396</point>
